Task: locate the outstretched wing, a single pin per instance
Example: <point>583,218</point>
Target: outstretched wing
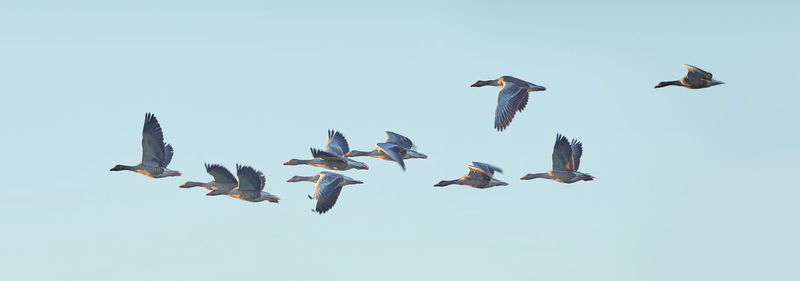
<point>337,144</point>
<point>562,154</point>
<point>152,142</point>
<point>327,192</point>
<point>484,168</point>
<point>327,156</point>
<point>697,73</point>
<point>221,174</point>
<point>251,182</point>
<point>577,151</point>
<point>508,104</point>
<point>402,141</point>
<point>394,151</point>
<point>478,175</point>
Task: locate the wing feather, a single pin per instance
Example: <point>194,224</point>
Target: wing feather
<point>484,168</point>
<point>153,153</point>
<point>220,174</point>
<point>697,73</point>
<point>337,144</point>
<point>562,154</point>
<point>251,182</point>
<point>577,152</point>
<point>327,192</point>
<point>402,141</point>
<point>395,152</point>
<point>508,102</point>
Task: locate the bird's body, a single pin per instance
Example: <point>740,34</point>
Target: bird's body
<point>480,175</point>
<point>696,78</point>
<point>566,160</point>
<point>251,186</point>
<point>156,155</point>
<point>333,157</point>
<point>396,148</point>
<point>222,184</point>
<point>512,98</point>
<point>327,189</point>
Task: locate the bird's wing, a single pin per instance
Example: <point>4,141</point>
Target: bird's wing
<point>479,175</point>
<point>337,144</point>
<point>327,156</point>
<point>562,154</point>
<point>697,73</point>
<point>523,102</point>
<point>251,182</point>
<point>395,138</point>
<point>484,168</point>
<point>168,152</point>
<point>327,192</point>
<point>152,142</point>
<point>394,151</point>
<point>508,102</point>
<point>221,174</point>
<point>577,151</point>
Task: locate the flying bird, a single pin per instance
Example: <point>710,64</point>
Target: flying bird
<point>480,175</point>
<point>251,186</point>
<point>395,148</point>
<point>566,160</point>
<point>332,158</point>
<point>223,181</point>
<point>513,98</point>
<point>695,79</point>
<point>156,155</point>
<point>329,186</point>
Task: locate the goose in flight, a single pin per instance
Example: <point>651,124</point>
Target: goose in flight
<point>223,181</point>
<point>695,79</point>
<point>251,186</point>
<point>156,155</point>
<point>396,148</point>
<point>513,98</point>
<point>480,175</point>
<point>332,158</point>
<point>329,186</point>
<point>566,160</point>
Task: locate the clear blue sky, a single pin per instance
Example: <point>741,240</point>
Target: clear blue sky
<point>691,184</point>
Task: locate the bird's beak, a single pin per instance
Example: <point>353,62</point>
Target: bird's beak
<point>539,88</point>
<point>286,163</point>
<point>716,82</point>
<point>474,84</point>
<point>358,182</point>
<point>182,185</point>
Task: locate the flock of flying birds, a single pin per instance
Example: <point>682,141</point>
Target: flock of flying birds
<point>249,183</point>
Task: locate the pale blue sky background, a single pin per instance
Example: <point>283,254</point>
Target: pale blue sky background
<point>691,184</point>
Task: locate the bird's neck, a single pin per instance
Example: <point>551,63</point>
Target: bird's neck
<point>124,168</point>
<point>302,178</point>
<point>301,162</point>
<point>359,153</point>
<point>193,184</point>
<point>670,83</point>
<point>482,83</point>
<point>537,175</point>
